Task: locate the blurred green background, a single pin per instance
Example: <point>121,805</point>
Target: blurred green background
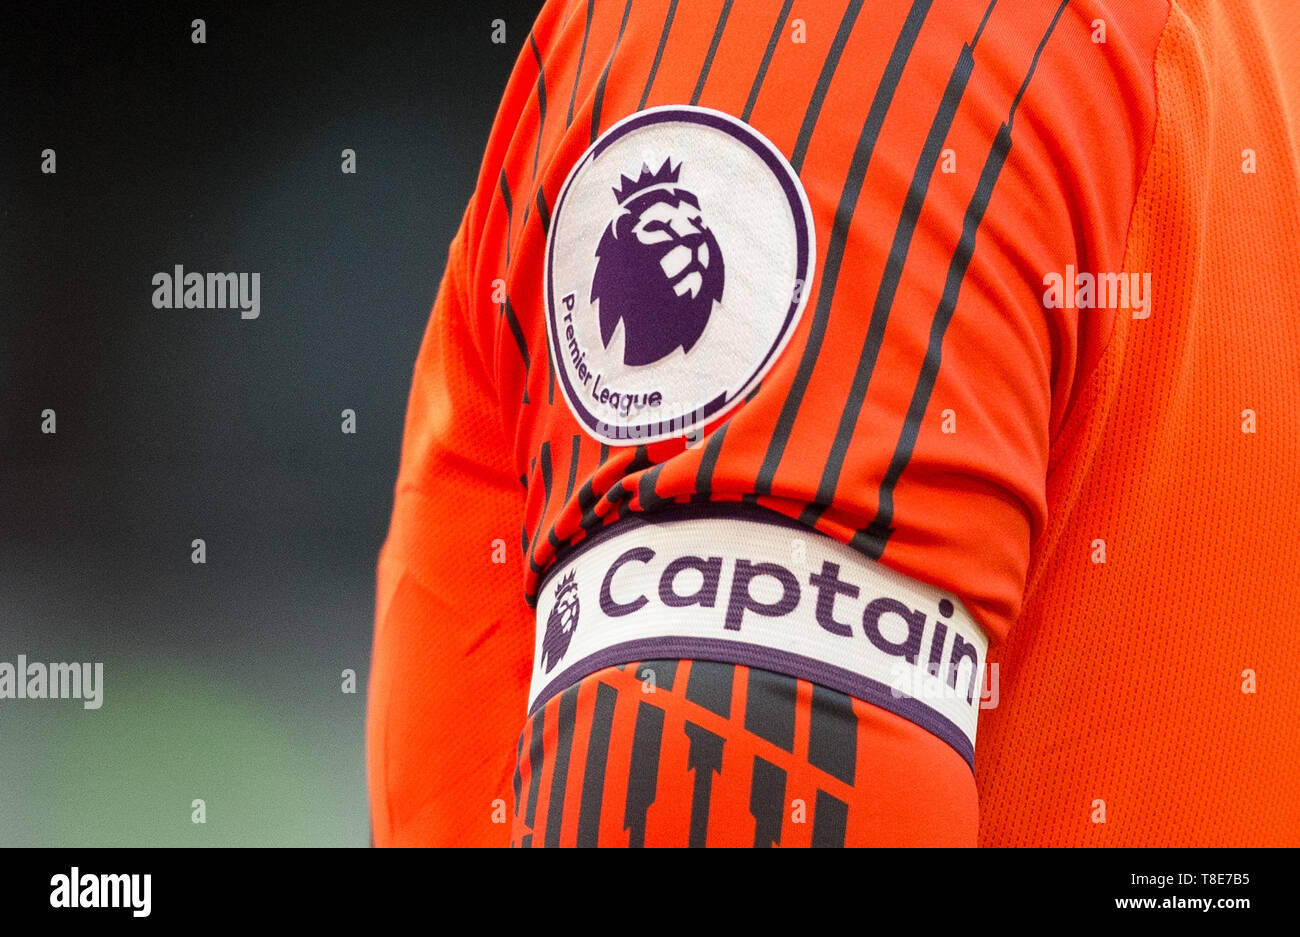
<point>221,681</point>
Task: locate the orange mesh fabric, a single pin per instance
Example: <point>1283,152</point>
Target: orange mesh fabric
<point>1123,681</point>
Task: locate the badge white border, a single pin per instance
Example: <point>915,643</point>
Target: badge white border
<point>746,134</point>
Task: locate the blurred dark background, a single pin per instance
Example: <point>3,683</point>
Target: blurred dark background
<point>222,681</point>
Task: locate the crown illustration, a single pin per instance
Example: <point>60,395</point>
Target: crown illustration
<point>566,582</point>
<point>664,175</point>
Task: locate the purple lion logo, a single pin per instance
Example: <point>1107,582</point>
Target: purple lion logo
<point>659,268</point>
<point>561,624</point>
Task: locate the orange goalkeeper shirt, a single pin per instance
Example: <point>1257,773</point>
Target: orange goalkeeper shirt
<point>1045,360</point>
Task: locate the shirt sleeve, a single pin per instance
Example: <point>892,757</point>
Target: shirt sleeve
<point>453,636</point>
<point>961,311</point>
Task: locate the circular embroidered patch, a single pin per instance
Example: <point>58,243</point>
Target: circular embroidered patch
<point>678,263</point>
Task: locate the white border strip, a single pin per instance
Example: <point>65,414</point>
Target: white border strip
<point>751,587</point>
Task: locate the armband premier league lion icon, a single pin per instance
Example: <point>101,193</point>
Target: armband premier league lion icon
<point>561,623</point>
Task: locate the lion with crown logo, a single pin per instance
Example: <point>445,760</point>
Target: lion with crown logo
<point>659,268</point>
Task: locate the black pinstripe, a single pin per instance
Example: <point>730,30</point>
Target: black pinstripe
<point>713,49</point>
<point>541,101</point>
<point>873,538</point>
<point>582,54</point>
<point>844,212</point>
<point>777,29</point>
<point>545,454</point>
<point>599,99</point>
<point>568,715</point>
<point>887,289</point>
<point>824,83</point>
<point>593,778</point>
<point>505,197</point>
<point>659,54</point>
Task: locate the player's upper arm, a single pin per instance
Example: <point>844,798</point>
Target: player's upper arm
<point>453,635</point>
<point>1007,165</point>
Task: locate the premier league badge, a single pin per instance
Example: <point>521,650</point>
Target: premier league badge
<point>677,266</point>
